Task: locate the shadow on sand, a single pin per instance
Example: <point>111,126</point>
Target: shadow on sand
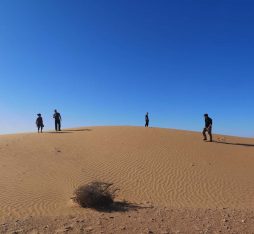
<point>228,143</point>
<point>78,130</point>
<point>69,131</point>
<point>122,206</point>
<point>58,132</point>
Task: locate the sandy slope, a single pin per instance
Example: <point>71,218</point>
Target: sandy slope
<point>163,167</point>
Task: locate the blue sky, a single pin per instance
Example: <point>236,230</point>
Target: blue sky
<point>109,62</point>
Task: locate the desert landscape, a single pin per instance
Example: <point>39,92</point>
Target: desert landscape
<point>171,181</point>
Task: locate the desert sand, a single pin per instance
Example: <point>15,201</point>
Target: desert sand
<point>176,182</point>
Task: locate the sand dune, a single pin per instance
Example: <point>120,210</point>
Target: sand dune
<point>163,167</point>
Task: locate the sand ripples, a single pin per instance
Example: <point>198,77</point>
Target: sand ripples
<point>164,167</point>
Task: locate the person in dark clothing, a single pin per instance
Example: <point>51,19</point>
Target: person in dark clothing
<point>39,123</point>
<point>208,127</point>
<point>147,120</point>
<point>58,120</point>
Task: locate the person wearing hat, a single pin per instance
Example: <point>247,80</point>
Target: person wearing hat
<point>58,120</point>
<point>208,127</point>
<point>39,123</point>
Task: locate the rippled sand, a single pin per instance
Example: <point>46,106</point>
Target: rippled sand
<point>163,167</point>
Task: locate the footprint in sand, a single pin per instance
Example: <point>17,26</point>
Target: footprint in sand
<point>57,150</point>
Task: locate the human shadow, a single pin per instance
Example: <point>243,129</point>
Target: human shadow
<point>59,132</point>
<point>78,130</point>
<point>120,206</point>
<point>230,143</point>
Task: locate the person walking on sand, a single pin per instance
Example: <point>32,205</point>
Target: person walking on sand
<point>208,127</point>
<point>58,120</point>
<point>147,120</point>
<point>39,123</point>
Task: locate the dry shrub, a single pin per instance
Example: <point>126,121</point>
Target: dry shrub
<point>97,195</point>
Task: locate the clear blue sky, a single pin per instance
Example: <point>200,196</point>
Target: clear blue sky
<point>109,62</point>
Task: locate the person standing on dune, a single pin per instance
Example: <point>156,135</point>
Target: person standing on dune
<point>208,127</point>
<point>147,120</point>
<point>39,123</point>
<point>58,120</point>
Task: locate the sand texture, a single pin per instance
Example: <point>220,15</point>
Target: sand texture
<point>170,172</point>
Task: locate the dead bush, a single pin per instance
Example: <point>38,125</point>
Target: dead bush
<point>97,195</point>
